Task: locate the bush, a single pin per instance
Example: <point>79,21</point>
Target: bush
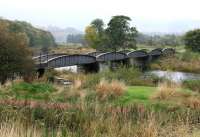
<point>112,88</point>
<point>192,84</point>
<point>192,40</point>
<point>165,91</point>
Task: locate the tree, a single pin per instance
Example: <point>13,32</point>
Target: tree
<point>15,57</point>
<point>120,34</point>
<point>91,36</point>
<point>98,24</point>
<point>192,40</point>
<point>95,35</point>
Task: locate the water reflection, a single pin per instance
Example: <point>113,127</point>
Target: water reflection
<point>174,76</point>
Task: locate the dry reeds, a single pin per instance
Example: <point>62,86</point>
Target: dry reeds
<point>192,102</point>
<point>106,88</point>
<point>17,130</point>
<point>166,90</point>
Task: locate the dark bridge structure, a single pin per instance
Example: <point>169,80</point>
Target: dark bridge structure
<point>97,61</point>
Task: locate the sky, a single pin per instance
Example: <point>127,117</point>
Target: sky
<point>146,15</point>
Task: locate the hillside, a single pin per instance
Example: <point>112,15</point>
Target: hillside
<point>37,37</point>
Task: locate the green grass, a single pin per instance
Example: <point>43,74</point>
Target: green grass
<point>139,94</point>
<point>142,94</point>
<point>31,91</point>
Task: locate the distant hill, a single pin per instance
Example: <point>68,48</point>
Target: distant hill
<point>38,38</point>
<point>60,34</point>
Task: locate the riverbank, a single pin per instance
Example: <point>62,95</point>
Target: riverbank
<point>183,62</point>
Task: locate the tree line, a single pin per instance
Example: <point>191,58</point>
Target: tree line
<point>117,35</point>
<point>120,35</point>
<point>37,38</point>
<point>160,40</point>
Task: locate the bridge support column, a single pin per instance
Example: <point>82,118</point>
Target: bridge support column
<point>140,63</point>
<point>112,65</point>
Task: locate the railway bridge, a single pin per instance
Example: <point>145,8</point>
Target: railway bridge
<point>98,61</point>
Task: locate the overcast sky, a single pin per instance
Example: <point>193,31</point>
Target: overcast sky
<point>147,15</point>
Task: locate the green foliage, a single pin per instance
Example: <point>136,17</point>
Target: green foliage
<point>15,56</point>
<point>36,37</point>
<point>192,84</point>
<point>98,24</point>
<point>33,88</point>
<point>95,35</point>
<point>131,76</point>
<point>118,34</point>
<point>192,40</point>
<point>137,93</point>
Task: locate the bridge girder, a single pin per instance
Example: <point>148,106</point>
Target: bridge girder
<point>137,54</point>
<point>156,52</point>
<point>70,60</point>
<point>111,56</point>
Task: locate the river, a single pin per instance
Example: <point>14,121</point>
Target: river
<point>174,76</point>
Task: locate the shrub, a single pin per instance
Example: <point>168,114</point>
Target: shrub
<point>192,40</point>
<point>192,84</point>
<point>113,88</point>
<point>165,91</point>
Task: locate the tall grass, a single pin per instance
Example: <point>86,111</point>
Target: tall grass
<point>96,120</point>
<point>166,90</point>
<point>186,62</point>
<point>110,88</point>
<point>192,84</point>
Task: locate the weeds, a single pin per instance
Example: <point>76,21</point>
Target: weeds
<point>113,88</point>
<point>166,91</point>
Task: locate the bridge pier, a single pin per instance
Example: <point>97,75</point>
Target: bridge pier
<point>112,65</point>
<point>140,62</point>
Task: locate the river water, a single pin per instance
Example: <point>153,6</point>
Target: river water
<point>174,76</point>
<point>170,75</point>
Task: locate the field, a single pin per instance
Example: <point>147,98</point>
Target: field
<point>118,103</point>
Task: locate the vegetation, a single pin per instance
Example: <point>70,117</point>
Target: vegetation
<point>192,84</point>
<point>118,103</point>
<point>192,40</point>
<point>14,54</point>
<point>170,40</point>
<point>118,34</point>
<point>185,62</point>
<point>139,111</point>
<point>36,37</point>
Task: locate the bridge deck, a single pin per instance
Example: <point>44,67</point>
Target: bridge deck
<point>62,59</point>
